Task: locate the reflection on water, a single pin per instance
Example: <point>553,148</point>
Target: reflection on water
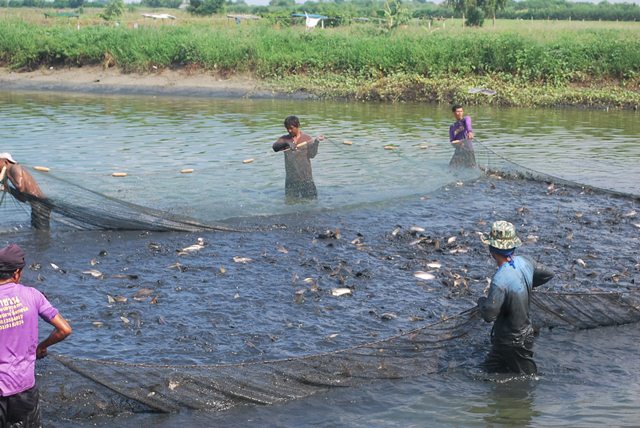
<point>85,139</point>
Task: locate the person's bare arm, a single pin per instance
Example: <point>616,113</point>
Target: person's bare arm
<point>62,331</point>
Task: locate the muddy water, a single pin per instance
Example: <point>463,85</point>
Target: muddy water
<point>204,307</point>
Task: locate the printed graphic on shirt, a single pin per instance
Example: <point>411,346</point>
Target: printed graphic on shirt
<point>11,312</point>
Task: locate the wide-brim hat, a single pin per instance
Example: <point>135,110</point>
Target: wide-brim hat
<point>502,236</point>
<point>8,157</point>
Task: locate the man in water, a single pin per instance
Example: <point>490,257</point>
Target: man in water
<point>20,308</point>
<point>299,148</point>
<point>25,189</point>
<point>508,301</point>
<point>460,136</point>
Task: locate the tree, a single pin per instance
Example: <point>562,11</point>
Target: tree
<point>395,14</point>
<point>490,7</point>
<point>475,10</point>
<point>461,6</point>
<point>205,7</point>
<point>113,10</point>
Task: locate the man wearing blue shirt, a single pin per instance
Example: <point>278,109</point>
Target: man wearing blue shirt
<point>508,301</point>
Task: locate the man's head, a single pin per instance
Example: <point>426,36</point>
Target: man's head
<point>502,239</point>
<point>291,123</point>
<point>458,111</point>
<point>11,260</point>
<point>6,157</point>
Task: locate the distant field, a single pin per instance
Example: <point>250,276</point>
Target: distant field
<point>511,54</point>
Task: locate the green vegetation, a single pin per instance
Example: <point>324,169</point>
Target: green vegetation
<point>527,63</point>
<point>343,11</point>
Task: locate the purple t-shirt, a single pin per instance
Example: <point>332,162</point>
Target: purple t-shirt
<point>20,307</point>
<point>460,129</point>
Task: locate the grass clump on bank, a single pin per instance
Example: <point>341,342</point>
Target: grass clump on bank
<point>360,62</point>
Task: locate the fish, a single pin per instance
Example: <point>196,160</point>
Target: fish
<point>434,265</point>
<point>396,231</point>
<point>329,234</point>
<point>580,262</point>
<point>460,250</point>
<point>186,171</point>
<point>97,324</point>
<point>424,275</point>
<point>347,142</point>
<point>451,240</point>
<point>631,213</point>
<point>239,259</point>
<point>418,241</point>
<point>57,268</point>
<point>416,229</point>
<point>388,316</point>
<point>142,293</point>
<point>282,249</point>
<point>391,147</point>
<point>192,248</point>
<point>343,291</point>
<point>94,273</point>
<point>248,160</point>
<point>125,276</point>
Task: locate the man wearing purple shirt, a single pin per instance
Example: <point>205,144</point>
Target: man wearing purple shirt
<point>20,308</point>
<point>460,136</point>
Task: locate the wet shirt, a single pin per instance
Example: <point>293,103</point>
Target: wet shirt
<point>297,161</point>
<point>20,308</point>
<point>460,129</point>
<point>508,301</point>
<point>463,155</point>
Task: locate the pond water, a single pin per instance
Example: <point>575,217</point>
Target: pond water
<point>211,309</point>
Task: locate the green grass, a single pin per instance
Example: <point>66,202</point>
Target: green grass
<point>559,56</point>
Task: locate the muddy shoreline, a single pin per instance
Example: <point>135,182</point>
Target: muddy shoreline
<point>110,81</point>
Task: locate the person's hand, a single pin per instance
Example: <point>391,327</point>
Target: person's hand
<point>41,352</point>
<point>321,137</point>
<point>470,135</point>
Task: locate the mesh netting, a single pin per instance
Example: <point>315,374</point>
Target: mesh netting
<point>584,310</point>
<point>77,207</point>
<point>94,387</point>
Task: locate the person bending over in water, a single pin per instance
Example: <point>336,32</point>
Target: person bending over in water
<point>508,301</point>
<point>460,136</point>
<point>25,189</point>
<point>299,148</point>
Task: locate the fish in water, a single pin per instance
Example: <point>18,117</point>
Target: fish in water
<point>343,291</point>
<point>424,275</point>
<point>239,259</point>
<point>94,273</point>
<point>192,248</point>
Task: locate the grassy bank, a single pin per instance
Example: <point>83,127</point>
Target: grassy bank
<point>528,64</point>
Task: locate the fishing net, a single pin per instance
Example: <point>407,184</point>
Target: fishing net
<point>93,387</point>
<point>74,206</point>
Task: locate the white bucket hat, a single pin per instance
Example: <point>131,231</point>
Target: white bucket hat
<point>8,157</point>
